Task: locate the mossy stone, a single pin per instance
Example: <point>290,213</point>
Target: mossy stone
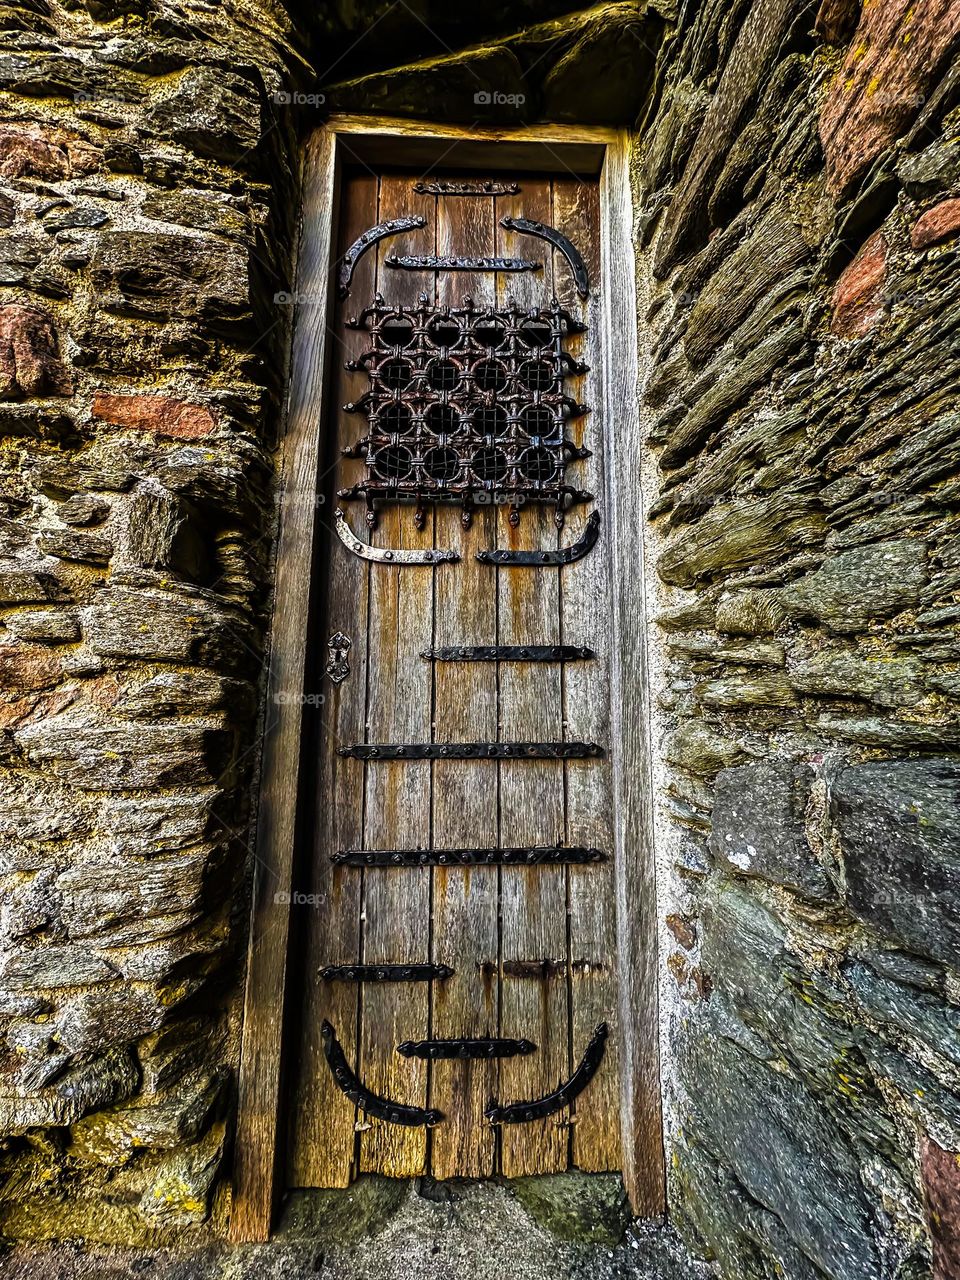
<point>585,1208</point>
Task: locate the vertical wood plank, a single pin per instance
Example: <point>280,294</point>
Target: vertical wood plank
<point>465,792</point>
<point>396,903</point>
<point>533,903</point>
<point>635,866</point>
<point>260,1085</point>
<point>322,1139</point>
<point>585,613</point>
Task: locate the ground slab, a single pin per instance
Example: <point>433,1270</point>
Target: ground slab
<point>535,1229</point>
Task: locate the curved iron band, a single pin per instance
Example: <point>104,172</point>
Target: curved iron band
<point>575,855</point>
<point>386,972</point>
<point>565,555</point>
<point>429,262</point>
<point>361,1096</point>
<point>471,750</point>
<point>384,555</point>
<point>538,1108</point>
<point>528,227</point>
<point>483,1048</point>
<point>370,237</point>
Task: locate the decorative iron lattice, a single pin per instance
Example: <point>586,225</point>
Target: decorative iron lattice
<point>466,405</point>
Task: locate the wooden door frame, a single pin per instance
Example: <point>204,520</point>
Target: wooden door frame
<point>582,151</point>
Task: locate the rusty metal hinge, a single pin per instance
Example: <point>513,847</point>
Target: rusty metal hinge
<point>509,653</point>
<point>364,1098</point>
<point>386,972</point>
<point>564,555</point>
<point>368,239</point>
<point>485,1047</point>
<point>449,262</point>
<point>528,227</point>
<point>471,750</point>
<point>539,1108</point>
<point>529,856</point>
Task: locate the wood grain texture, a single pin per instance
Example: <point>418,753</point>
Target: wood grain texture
<point>322,1139</point>
<point>635,866</point>
<point>464,791</point>
<point>417,914</point>
<point>258,1149</point>
<point>533,911</point>
<point>396,907</point>
<point>585,612</point>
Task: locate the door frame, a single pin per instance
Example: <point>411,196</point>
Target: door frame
<point>583,151</point>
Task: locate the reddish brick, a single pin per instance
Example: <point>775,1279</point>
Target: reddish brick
<point>858,296</point>
<point>30,355</point>
<point>894,59</point>
<point>938,223</point>
<point>941,1180</point>
<point>29,151</point>
<point>163,415</point>
<point>26,668</point>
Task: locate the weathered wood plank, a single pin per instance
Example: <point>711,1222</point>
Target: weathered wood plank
<point>464,791</point>
<point>635,868</point>
<point>396,908</point>
<point>585,612</point>
<point>533,900</point>
<point>256,1184</point>
<point>321,1122</point>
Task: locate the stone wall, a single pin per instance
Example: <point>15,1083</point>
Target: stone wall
<point>797,179</point>
<point>145,197</point>
<point>797,176</point>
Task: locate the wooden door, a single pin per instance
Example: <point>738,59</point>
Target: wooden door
<point>457,951</point>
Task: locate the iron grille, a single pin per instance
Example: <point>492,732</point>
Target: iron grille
<point>466,405</point>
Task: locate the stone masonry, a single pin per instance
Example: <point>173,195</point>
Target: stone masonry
<point>797,187</point>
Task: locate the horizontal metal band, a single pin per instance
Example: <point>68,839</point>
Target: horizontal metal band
<point>521,857</point>
<point>563,555</point>
<point>448,187</point>
<point>510,653</point>
<point>371,1103</point>
<point>429,262</point>
<point>386,972</point>
<point>471,750</point>
<point>538,969</point>
<point>539,1108</point>
<point>483,1048</point>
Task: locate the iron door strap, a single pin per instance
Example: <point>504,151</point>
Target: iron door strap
<point>370,237</point>
<point>430,262</point>
<point>564,555</point>
<point>484,1047</point>
<point>386,972</point>
<point>533,856</point>
<point>447,187</point>
<point>471,750</point>
<point>384,555</point>
<point>539,1108</point>
<point>509,653</point>
<point>528,227</point>
<point>362,1097</point>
